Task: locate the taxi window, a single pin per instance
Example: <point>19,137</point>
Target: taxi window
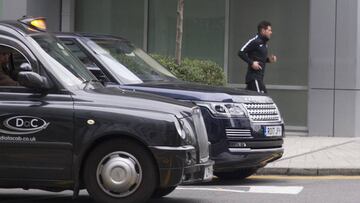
<point>76,50</point>
<point>89,62</point>
<point>62,55</point>
<point>10,62</point>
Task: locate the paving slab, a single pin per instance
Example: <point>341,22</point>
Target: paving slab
<point>317,156</point>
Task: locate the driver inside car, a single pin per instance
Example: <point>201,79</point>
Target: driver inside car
<point>6,68</point>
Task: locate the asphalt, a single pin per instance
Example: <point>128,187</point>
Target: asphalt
<point>317,156</point>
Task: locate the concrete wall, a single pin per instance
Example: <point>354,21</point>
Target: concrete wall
<point>59,13</point>
<point>68,16</point>
<point>45,8</point>
<point>321,67</point>
<point>334,68</point>
<point>13,9</point>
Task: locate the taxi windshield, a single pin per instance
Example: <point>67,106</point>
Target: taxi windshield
<point>131,64</point>
<point>62,55</point>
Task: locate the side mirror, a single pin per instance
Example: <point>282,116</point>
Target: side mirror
<point>33,81</point>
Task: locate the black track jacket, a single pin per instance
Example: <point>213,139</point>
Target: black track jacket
<point>255,50</point>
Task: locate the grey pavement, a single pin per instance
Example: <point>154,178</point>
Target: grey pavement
<point>317,156</point>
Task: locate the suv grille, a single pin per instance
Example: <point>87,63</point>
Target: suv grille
<point>237,133</point>
<point>201,135</point>
<point>263,112</point>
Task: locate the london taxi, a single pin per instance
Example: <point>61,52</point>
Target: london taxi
<point>245,128</point>
<point>61,129</point>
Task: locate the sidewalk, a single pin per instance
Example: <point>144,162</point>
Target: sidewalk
<point>317,156</point>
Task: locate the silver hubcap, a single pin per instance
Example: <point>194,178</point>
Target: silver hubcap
<point>119,174</point>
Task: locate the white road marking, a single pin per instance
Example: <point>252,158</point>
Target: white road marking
<point>293,190</point>
<point>290,190</point>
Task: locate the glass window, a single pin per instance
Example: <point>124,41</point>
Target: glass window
<point>129,63</point>
<point>204,25</point>
<point>293,106</point>
<point>62,55</point>
<point>10,61</point>
<point>122,18</point>
<point>290,23</point>
<point>85,58</point>
<point>78,52</point>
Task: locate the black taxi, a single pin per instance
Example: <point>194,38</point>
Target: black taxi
<point>61,129</point>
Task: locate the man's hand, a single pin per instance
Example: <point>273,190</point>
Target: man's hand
<point>272,59</point>
<point>256,65</point>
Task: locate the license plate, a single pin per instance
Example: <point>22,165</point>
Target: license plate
<point>273,131</point>
<point>208,173</point>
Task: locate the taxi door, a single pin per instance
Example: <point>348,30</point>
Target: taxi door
<point>36,129</point>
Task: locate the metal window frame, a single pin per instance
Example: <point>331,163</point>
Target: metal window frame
<point>146,25</point>
<point>226,39</point>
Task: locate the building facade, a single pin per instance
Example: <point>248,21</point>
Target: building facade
<point>315,82</point>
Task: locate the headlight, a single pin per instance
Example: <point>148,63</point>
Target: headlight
<point>224,109</point>
<point>185,129</point>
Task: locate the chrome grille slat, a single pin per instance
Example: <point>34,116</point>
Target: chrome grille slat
<point>238,133</point>
<point>262,112</point>
<point>236,137</point>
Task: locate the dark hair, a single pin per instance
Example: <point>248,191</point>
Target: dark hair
<point>263,25</point>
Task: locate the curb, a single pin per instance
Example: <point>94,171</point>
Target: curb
<point>309,171</point>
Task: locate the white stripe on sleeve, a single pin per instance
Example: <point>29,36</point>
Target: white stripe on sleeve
<point>247,43</point>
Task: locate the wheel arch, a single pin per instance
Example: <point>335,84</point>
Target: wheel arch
<point>79,164</point>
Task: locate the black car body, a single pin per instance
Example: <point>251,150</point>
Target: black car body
<point>61,129</point>
<point>245,128</point>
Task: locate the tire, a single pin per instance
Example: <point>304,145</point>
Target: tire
<point>161,192</point>
<point>120,171</point>
<point>238,174</point>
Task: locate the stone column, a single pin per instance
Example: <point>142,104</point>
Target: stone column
<point>334,68</point>
<point>347,70</point>
<point>68,16</point>
<point>321,67</point>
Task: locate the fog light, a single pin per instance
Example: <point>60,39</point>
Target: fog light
<point>237,145</point>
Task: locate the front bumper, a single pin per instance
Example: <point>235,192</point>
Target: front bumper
<point>178,165</point>
<point>254,150</point>
<point>237,158</point>
<point>231,155</point>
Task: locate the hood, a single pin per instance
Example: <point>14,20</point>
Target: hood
<point>111,97</point>
<point>192,91</point>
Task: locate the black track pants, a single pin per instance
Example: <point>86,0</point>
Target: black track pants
<point>256,85</point>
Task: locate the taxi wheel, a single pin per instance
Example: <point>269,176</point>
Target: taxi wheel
<point>120,171</point>
<point>238,174</point>
<point>161,192</point>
